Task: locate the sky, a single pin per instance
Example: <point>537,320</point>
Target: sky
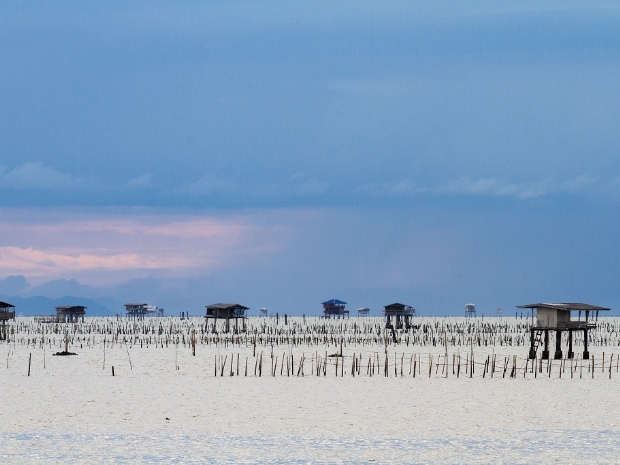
<point>279,154</point>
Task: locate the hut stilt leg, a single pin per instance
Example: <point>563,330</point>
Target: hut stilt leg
<point>558,345</point>
<point>545,354</point>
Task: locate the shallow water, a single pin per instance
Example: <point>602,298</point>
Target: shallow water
<point>546,446</point>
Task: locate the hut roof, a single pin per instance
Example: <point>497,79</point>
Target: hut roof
<point>396,304</point>
<point>227,306</point>
<point>6,305</point>
<point>334,302</point>
<point>70,309</point>
<point>564,306</point>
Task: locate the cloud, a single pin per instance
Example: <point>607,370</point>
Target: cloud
<point>405,187</point>
<point>35,262</point>
<point>114,247</point>
<point>36,176</point>
<point>489,186</point>
<point>502,188</point>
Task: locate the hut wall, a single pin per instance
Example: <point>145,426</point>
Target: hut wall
<point>563,317</point>
<point>546,317</point>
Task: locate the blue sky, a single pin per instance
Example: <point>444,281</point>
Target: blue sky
<point>418,151</point>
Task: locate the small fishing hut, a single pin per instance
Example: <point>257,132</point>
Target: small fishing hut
<point>143,310</point>
<point>5,315</point>
<point>70,313</point>
<point>557,317</point>
<point>227,312</point>
<point>335,308</point>
<point>364,311</point>
<point>400,312</point>
<point>470,310</point>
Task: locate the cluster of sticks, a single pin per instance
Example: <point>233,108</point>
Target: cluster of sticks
<point>318,346</point>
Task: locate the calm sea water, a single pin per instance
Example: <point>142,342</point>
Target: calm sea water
<point>544,446</point>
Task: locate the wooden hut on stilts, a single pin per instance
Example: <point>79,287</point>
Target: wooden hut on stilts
<point>401,313</point>
<point>557,317</point>
<point>5,315</point>
<point>335,308</point>
<point>141,310</point>
<point>228,312</point>
<point>70,313</point>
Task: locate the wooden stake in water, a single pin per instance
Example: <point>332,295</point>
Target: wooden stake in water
<point>128,356</point>
<point>176,354</point>
<point>30,360</point>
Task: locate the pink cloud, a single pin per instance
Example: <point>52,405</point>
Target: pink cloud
<point>49,244</point>
<point>33,261</point>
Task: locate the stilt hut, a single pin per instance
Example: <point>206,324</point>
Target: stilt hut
<point>142,310</point>
<point>5,315</point>
<point>70,313</point>
<point>135,310</point>
<point>227,312</point>
<point>335,308</point>
<point>557,317</point>
<point>364,311</point>
<point>401,313</point>
<point>470,310</point>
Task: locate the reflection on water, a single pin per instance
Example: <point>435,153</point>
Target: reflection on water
<point>560,446</point>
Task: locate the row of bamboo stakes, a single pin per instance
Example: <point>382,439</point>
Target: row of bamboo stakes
<point>313,330</point>
<point>510,366</point>
<point>357,335</point>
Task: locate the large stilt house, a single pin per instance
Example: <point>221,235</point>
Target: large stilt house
<point>557,317</point>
